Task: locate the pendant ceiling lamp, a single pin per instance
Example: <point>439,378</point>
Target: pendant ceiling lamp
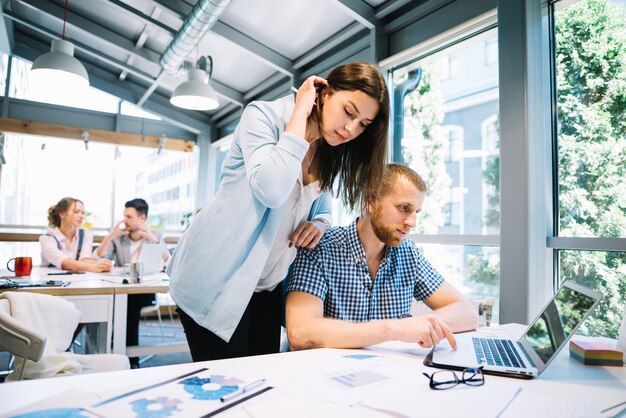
<point>59,67</point>
<point>196,93</point>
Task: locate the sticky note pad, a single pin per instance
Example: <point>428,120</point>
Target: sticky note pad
<point>597,354</point>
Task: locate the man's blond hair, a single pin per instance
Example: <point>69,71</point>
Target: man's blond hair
<point>391,173</point>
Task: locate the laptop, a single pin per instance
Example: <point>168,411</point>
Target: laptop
<point>532,353</point>
<point>151,256</point>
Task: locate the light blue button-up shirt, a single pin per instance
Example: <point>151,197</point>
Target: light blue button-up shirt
<point>219,260</point>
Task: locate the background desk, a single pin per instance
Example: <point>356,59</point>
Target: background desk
<point>565,379</point>
<point>102,298</point>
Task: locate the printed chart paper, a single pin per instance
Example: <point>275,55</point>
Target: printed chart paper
<point>346,379</point>
<point>195,394</point>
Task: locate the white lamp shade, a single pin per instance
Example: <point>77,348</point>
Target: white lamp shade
<point>195,93</point>
<point>59,67</point>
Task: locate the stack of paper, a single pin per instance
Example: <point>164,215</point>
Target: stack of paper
<point>597,354</point>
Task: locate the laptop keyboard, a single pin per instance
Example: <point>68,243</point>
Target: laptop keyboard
<point>497,352</point>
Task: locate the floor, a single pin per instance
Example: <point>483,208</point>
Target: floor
<point>149,333</point>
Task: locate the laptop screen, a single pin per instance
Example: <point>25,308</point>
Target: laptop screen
<point>557,321</point>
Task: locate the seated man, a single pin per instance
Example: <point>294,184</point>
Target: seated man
<point>125,246</point>
<point>356,287</point>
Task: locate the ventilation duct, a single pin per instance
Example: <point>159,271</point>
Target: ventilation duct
<point>203,16</point>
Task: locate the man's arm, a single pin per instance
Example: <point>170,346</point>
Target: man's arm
<point>453,308</point>
<point>307,327</point>
<point>103,249</point>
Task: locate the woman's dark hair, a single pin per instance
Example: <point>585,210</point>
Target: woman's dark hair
<point>62,206</point>
<point>358,163</point>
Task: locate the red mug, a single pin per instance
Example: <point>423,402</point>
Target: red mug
<point>22,266</point>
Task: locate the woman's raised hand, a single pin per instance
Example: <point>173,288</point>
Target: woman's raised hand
<point>307,93</point>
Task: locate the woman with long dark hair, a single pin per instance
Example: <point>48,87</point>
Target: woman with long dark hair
<point>285,160</point>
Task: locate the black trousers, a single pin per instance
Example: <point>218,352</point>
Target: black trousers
<point>258,331</point>
<point>135,303</point>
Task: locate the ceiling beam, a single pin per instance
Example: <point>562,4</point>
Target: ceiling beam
<point>81,47</point>
<point>329,62</point>
<point>223,111</point>
<point>358,10</point>
<point>330,43</point>
<point>6,36</point>
<point>391,6</point>
<point>227,93</point>
<point>141,40</point>
<point>259,51</point>
<point>89,29</point>
<point>415,14</point>
<point>28,127</point>
<point>255,48</point>
<point>92,119</point>
<point>224,91</point>
<point>268,83</point>
<point>146,18</point>
<point>29,49</point>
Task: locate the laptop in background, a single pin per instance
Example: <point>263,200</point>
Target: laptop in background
<point>151,256</point>
<point>534,351</point>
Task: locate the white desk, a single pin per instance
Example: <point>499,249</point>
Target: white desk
<point>102,298</point>
<point>565,378</point>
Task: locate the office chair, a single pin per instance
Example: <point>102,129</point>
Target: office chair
<point>37,329</point>
<point>161,299</point>
<point>18,339</point>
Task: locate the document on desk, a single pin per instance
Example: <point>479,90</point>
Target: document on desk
<point>346,378</point>
<point>460,401</point>
<point>71,403</point>
<point>540,406</point>
<point>195,394</point>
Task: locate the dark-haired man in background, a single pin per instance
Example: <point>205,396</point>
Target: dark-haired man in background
<point>124,245</point>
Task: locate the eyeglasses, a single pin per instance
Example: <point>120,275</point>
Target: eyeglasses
<point>446,379</point>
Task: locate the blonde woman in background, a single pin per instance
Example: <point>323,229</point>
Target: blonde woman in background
<point>66,245</point>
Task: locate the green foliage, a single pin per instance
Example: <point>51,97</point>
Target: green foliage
<point>591,98</point>
<point>591,94</point>
<point>483,269</point>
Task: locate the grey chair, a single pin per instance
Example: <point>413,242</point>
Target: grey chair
<point>18,339</point>
<point>30,342</point>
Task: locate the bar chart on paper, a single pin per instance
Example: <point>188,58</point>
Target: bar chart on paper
<point>359,378</point>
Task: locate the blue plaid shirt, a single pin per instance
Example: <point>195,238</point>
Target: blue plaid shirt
<point>336,272</point>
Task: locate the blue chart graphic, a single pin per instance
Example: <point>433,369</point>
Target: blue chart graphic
<point>359,356</point>
<point>210,388</point>
<point>160,407</point>
<point>54,413</point>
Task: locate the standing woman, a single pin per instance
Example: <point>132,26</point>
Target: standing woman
<point>66,245</point>
<point>274,196</point>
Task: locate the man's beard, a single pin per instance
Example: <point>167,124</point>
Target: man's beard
<point>386,233</point>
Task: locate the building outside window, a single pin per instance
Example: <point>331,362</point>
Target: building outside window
<point>442,139</point>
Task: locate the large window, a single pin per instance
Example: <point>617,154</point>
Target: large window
<point>449,134</point>
<point>590,60</point>
<point>41,170</point>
